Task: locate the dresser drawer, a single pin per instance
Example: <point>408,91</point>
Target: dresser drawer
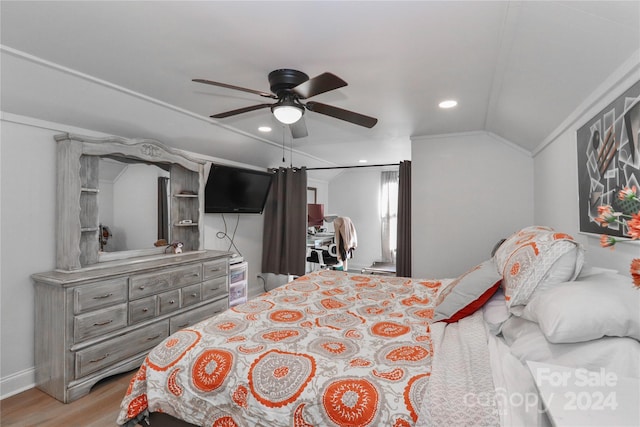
<point>141,285</point>
<point>169,301</point>
<point>101,294</point>
<point>190,294</point>
<point>214,288</point>
<point>217,268</point>
<point>194,316</point>
<point>99,322</point>
<point>114,350</point>
<point>143,309</point>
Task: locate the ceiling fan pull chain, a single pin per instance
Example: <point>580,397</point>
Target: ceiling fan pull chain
<point>291,154</point>
<point>283,160</point>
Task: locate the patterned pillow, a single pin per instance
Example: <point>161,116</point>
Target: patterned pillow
<point>536,257</point>
<point>466,294</point>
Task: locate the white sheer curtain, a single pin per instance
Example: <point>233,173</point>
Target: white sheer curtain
<point>389,214</point>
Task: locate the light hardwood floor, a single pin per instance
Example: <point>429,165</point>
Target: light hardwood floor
<point>35,408</point>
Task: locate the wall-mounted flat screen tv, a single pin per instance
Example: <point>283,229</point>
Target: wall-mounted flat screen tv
<point>236,190</point>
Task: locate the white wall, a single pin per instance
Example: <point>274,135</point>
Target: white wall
<point>135,207</point>
<point>247,240</point>
<point>28,242</point>
<point>468,191</point>
<point>355,193</point>
<point>556,175</point>
<point>322,191</point>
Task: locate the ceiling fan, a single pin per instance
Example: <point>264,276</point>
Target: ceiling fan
<point>290,88</point>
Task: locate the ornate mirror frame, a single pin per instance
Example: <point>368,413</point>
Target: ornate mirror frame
<point>77,244</point>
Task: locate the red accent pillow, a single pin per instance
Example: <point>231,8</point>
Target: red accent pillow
<point>466,294</point>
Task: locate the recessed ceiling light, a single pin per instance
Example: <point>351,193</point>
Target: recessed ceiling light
<point>264,129</point>
<point>449,103</point>
<point>362,161</point>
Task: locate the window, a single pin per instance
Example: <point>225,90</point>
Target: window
<point>389,214</point>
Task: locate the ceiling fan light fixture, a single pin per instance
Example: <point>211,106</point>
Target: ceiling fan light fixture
<point>287,112</point>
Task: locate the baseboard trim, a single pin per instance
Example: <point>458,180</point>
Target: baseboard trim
<point>17,383</point>
<point>355,267</point>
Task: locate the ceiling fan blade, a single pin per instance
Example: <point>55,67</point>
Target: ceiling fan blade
<point>319,84</point>
<point>339,113</point>
<point>299,128</point>
<point>256,92</point>
<point>240,111</point>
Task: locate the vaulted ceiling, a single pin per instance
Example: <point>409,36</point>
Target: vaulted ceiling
<point>517,69</point>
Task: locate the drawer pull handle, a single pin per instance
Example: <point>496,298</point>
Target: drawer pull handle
<point>214,289</point>
<point>144,310</point>
<point>215,269</point>
<point>103,323</point>
<point>103,296</point>
<point>153,337</point>
<point>172,301</point>
<point>141,287</point>
<point>195,274</point>
<point>99,358</point>
<point>194,294</point>
<point>184,325</point>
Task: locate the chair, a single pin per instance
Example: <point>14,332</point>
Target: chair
<point>325,256</point>
<point>344,242</point>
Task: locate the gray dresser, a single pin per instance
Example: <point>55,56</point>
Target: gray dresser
<point>99,321</point>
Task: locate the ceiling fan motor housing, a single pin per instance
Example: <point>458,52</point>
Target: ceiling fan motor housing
<point>282,80</point>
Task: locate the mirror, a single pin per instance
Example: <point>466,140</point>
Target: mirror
<point>133,204</point>
<point>83,206</point>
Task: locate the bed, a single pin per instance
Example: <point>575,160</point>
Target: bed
<point>333,348</point>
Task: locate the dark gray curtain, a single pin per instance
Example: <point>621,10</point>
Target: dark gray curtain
<point>284,241</point>
<point>403,258</point>
<point>163,208</point>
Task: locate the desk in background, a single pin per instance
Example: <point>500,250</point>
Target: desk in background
<point>320,239</point>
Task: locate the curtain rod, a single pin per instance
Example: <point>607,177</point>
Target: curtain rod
<point>350,167</point>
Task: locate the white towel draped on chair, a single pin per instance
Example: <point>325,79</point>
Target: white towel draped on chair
<point>346,238</point>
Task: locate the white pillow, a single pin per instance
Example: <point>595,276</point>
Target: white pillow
<point>587,309</point>
<point>588,270</point>
<point>527,342</point>
<point>495,312</point>
<point>563,270</point>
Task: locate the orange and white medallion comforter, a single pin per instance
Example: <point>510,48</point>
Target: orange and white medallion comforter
<point>328,349</point>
